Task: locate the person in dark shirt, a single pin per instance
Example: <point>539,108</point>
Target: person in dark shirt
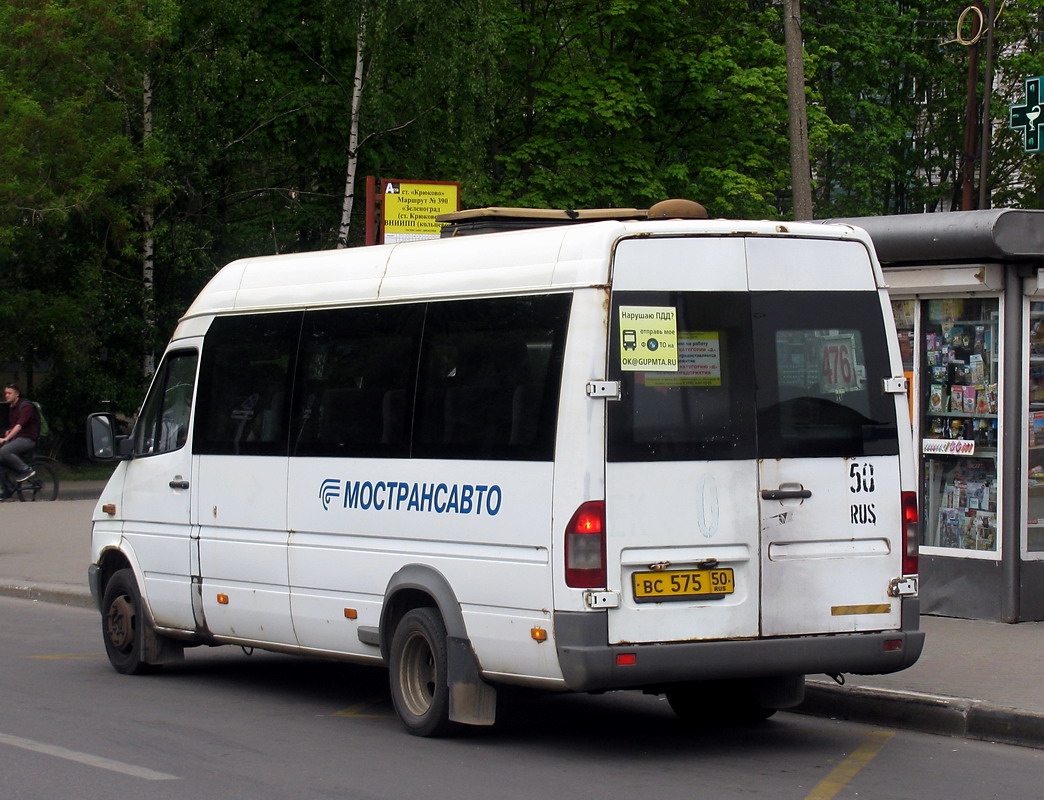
<point>23,429</point>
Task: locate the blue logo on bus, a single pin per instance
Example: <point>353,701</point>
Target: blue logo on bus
<point>329,491</point>
<point>479,499</point>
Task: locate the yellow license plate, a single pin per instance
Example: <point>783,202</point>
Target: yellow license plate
<point>652,587</point>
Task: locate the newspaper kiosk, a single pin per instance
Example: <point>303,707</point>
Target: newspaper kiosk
<point>969,304</point>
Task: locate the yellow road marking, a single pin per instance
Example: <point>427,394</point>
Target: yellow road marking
<point>358,709</point>
<point>847,769</point>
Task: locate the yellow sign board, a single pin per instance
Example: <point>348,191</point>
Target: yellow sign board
<point>409,209</point>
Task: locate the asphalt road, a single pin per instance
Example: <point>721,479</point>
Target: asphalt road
<point>224,724</point>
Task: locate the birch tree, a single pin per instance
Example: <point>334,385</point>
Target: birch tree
<point>358,85</point>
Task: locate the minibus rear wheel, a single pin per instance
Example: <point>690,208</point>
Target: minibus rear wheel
<point>417,673</point>
<point>123,621</point>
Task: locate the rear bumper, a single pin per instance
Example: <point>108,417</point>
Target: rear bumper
<point>589,664</point>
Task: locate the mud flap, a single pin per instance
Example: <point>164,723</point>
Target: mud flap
<point>156,649</point>
<point>159,649</point>
<point>472,700</point>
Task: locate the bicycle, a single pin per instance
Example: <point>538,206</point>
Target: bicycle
<point>42,486</point>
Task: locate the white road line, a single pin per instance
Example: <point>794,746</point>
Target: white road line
<point>86,758</point>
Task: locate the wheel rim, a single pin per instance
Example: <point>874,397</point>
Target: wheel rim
<point>417,674</point>
<point>120,623</point>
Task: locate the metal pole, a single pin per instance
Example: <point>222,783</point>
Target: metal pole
<point>987,117</point>
<point>371,210</point>
<point>1013,425</point>
<point>800,172</point>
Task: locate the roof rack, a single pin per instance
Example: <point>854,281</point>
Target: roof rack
<point>496,219</point>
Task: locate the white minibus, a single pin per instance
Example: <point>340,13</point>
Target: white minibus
<point>607,450</point>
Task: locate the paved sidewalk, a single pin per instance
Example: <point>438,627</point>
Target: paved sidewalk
<point>979,680</point>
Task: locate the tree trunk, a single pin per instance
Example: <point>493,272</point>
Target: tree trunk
<point>148,246</point>
<point>353,134</point>
<point>800,173</point>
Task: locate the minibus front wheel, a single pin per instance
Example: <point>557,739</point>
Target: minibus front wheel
<point>123,623</point>
<point>418,673</point>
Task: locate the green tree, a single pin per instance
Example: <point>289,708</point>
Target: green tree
<point>625,103</point>
<point>1016,178</point>
<point>70,171</point>
<point>893,79</point>
<point>148,143</point>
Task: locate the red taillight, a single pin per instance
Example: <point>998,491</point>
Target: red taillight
<point>910,533</point>
<point>585,547</point>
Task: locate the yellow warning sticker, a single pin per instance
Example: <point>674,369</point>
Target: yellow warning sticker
<point>648,338</point>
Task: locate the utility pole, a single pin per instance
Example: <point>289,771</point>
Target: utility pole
<point>971,118</point>
<point>800,172</point>
<point>987,117</point>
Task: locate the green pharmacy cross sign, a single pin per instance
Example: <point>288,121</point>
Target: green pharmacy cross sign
<point>1028,116</point>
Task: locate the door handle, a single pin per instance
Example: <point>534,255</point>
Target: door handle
<point>179,484</point>
<point>786,494</point>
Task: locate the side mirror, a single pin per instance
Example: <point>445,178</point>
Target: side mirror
<point>102,441</point>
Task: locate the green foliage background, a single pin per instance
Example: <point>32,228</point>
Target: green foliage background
<point>562,103</point>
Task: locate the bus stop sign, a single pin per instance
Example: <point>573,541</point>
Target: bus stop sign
<point>1027,116</point>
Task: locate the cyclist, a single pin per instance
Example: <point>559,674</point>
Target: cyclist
<point>19,439</point>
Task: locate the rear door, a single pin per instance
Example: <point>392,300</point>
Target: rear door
<point>734,452</point>
<point>682,531</point>
<point>830,500</point>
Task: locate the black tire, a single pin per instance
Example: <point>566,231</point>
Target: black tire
<point>418,673</point>
<point>717,704</point>
<point>123,624</point>
<point>42,486</point>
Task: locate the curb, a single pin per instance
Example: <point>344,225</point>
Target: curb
<point>61,594</point>
<point>936,714</point>
<point>79,490</point>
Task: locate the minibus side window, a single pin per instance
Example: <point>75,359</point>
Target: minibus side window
<point>355,378</point>
<point>488,383</point>
<point>163,424</point>
<point>245,385</point>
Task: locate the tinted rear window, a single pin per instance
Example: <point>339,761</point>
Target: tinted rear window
<point>766,375</point>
